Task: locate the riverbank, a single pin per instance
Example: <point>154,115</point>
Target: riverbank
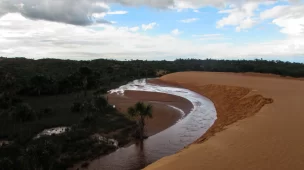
<point>268,140</point>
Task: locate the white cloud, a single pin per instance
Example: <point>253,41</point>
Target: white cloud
<point>189,20</point>
<point>242,17</point>
<point>274,12</point>
<point>245,24</point>
<point>149,26</point>
<point>102,4</point>
<point>64,11</point>
<point>134,29</point>
<point>181,5</point>
<point>196,11</point>
<point>99,15</point>
<point>176,32</point>
<point>103,14</point>
<point>131,29</point>
<point>38,39</point>
<point>291,26</point>
<point>289,18</point>
<point>209,37</point>
<point>7,51</point>
<point>80,12</point>
<point>117,12</point>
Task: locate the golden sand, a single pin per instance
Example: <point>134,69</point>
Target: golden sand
<point>270,138</point>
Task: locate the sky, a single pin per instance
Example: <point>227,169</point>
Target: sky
<point>152,29</point>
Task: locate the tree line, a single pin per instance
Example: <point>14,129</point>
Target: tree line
<point>54,76</point>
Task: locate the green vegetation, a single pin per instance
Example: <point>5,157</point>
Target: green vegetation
<point>40,94</point>
<point>24,115</point>
<point>95,116</point>
<point>140,112</point>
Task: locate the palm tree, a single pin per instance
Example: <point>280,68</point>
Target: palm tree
<point>140,112</point>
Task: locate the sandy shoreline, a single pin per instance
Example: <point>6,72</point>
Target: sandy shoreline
<point>271,139</point>
<point>164,116</point>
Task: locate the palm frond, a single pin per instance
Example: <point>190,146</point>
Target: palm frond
<point>140,107</point>
<point>131,111</point>
<point>148,111</point>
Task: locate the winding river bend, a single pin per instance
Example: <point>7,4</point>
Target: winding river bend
<point>184,132</point>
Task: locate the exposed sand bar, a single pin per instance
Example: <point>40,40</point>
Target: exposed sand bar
<point>269,138</point>
<point>165,112</point>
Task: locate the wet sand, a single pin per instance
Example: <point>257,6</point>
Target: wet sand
<point>164,116</point>
<point>259,123</point>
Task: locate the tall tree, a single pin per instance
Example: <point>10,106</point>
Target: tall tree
<point>140,112</point>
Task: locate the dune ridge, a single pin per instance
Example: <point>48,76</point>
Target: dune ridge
<point>232,104</point>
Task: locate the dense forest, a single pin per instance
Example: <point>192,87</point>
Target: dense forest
<point>54,76</point>
<point>42,94</point>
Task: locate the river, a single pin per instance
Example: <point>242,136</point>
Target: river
<point>184,132</point>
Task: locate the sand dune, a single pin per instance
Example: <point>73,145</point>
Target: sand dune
<point>271,139</point>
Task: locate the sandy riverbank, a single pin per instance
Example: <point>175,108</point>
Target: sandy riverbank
<point>164,116</point>
<point>271,139</point>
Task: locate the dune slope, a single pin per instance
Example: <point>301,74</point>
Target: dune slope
<point>271,139</point>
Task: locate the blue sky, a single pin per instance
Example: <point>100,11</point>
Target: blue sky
<point>207,18</point>
<point>159,29</point>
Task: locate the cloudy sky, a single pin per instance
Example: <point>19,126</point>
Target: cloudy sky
<point>152,29</point>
